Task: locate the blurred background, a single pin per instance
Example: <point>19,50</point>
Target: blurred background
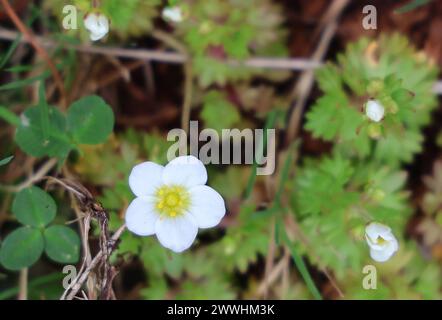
<point>296,234</point>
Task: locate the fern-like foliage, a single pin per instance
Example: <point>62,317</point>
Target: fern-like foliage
<point>219,30</point>
<point>389,71</point>
<point>334,198</point>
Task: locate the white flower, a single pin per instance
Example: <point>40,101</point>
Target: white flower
<point>381,241</point>
<point>173,202</point>
<point>173,14</point>
<point>97,24</point>
<point>374,110</point>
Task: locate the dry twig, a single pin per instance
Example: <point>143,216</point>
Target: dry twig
<point>39,175</point>
<point>165,56</point>
<point>100,263</point>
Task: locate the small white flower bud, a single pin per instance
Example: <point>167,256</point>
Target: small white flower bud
<point>173,14</point>
<point>97,24</point>
<point>374,110</point>
<point>382,242</point>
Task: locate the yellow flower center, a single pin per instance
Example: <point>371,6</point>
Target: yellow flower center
<point>172,201</point>
<point>380,240</point>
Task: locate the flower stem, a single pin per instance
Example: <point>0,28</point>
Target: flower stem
<point>23,284</point>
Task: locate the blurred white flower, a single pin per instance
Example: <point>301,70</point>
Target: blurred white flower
<point>382,242</point>
<point>173,14</point>
<point>173,202</point>
<point>97,24</point>
<point>374,110</point>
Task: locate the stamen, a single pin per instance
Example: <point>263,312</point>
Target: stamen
<point>172,201</point>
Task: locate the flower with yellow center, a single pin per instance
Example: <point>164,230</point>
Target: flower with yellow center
<point>173,202</point>
<point>382,242</point>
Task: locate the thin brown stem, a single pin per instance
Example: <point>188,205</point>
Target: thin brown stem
<point>187,101</point>
<point>38,48</point>
<point>169,57</point>
<point>37,176</point>
<point>23,284</point>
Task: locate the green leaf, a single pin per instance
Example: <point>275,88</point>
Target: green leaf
<point>37,138</point>
<point>22,248</point>
<point>34,207</point>
<point>6,160</point>
<point>402,96</point>
<point>21,68</point>
<point>25,82</point>
<point>9,116</point>
<point>10,51</point>
<point>90,120</point>
<point>62,244</point>
<point>44,109</point>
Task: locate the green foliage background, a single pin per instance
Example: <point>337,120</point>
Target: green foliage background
<point>327,199</point>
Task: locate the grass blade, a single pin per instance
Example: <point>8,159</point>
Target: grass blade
<point>6,160</point>
<point>9,116</point>
<point>302,268</point>
<point>411,6</point>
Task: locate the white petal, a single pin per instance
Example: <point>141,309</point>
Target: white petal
<point>374,110</point>
<point>96,36</point>
<point>375,230</point>
<point>103,23</point>
<point>141,217</point>
<point>176,234</point>
<point>186,171</point>
<point>381,255</point>
<point>207,206</point>
<point>90,21</point>
<point>393,245</point>
<point>145,178</point>
<point>174,14</point>
<point>386,253</point>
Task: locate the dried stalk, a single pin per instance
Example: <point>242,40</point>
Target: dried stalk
<point>100,263</point>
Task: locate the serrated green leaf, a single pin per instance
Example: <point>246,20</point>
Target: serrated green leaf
<point>218,113</point>
<point>22,248</point>
<point>34,207</point>
<point>90,120</point>
<point>62,244</point>
<point>396,78</point>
